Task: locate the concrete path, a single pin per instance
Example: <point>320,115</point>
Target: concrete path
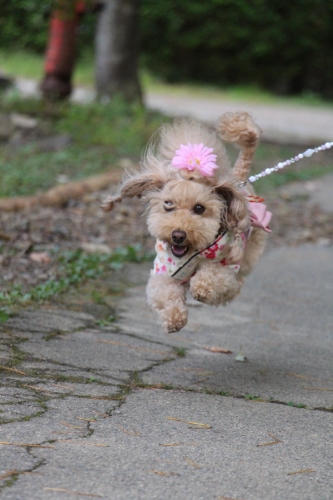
<point>303,125</point>
<point>127,412</point>
<point>280,123</point>
<point>108,412</point>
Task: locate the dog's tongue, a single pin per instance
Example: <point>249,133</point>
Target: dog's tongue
<point>179,251</point>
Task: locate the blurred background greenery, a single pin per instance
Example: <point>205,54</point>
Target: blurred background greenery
<point>255,50</point>
<point>283,47</point>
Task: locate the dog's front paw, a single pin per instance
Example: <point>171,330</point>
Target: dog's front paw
<point>214,289</point>
<point>202,292</point>
<point>174,318</point>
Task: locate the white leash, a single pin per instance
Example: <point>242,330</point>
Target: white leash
<point>268,171</point>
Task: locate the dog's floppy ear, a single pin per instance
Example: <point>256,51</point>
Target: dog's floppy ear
<point>237,217</point>
<point>134,185</point>
<point>235,201</point>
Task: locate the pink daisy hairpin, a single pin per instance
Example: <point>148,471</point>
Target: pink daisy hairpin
<point>195,157</point>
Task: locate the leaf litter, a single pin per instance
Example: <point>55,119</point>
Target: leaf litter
<point>36,388</point>
<point>130,433</point>
<point>26,445</point>
<point>189,461</point>
<point>12,370</point>
<point>218,349</point>
<point>79,427</point>
<point>195,425</point>
<point>8,474</point>
<point>302,471</point>
<point>178,444</point>
<point>166,474</point>
<point>276,441</point>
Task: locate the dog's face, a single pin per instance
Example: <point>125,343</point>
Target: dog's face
<point>187,215</point>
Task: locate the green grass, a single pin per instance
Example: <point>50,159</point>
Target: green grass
<point>100,135</point>
<point>25,64</point>
<point>74,267</point>
<point>252,397</point>
<point>296,405</point>
<point>19,63</point>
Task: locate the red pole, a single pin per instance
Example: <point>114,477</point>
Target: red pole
<point>60,53</point>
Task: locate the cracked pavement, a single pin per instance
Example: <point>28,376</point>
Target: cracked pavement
<point>85,409</point>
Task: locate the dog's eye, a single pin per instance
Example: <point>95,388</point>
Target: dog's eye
<point>168,206</point>
<point>199,209</point>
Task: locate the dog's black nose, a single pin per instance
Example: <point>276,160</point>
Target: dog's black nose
<point>178,237</point>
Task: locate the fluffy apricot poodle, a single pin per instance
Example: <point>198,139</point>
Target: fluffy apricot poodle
<point>209,226</point>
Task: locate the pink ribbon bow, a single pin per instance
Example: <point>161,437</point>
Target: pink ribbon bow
<point>259,215</point>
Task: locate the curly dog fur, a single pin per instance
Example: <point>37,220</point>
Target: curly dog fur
<point>188,210</point>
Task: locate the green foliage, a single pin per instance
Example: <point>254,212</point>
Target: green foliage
<point>283,46</point>
<point>252,397</point>
<point>74,268</point>
<point>4,315</point>
<point>100,135</point>
<point>24,23</point>
<point>106,322</point>
<point>180,352</point>
<point>296,405</point>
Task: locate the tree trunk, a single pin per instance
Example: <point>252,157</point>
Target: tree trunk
<point>117,49</point>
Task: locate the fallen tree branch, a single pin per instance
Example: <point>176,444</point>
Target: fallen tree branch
<point>60,195</point>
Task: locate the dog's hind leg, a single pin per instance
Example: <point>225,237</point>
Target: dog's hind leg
<point>254,249</point>
<point>167,297</point>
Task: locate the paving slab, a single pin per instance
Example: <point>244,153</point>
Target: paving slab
<point>95,349</point>
<point>48,321</point>
<point>282,323</point>
<point>140,453</point>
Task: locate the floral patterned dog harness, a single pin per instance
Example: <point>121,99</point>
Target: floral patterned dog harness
<point>183,268</point>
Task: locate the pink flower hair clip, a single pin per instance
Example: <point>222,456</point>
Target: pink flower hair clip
<point>195,157</point>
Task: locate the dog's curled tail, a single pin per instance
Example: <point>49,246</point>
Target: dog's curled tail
<point>242,130</point>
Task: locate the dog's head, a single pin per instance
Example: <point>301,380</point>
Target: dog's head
<point>188,206</point>
<point>189,215</point>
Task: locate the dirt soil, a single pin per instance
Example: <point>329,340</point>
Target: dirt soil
<point>82,224</point>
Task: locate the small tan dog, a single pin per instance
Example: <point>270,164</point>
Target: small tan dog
<point>209,231</point>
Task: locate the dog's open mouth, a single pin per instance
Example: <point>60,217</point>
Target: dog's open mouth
<point>179,251</point>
